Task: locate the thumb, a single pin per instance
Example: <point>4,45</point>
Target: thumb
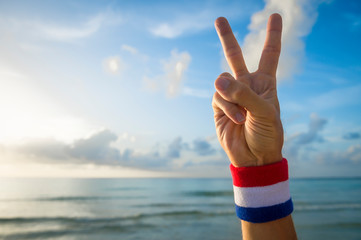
<point>240,93</point>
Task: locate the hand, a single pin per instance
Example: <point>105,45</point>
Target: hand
<point>246,107</point>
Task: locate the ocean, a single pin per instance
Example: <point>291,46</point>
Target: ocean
<point>164,209</point>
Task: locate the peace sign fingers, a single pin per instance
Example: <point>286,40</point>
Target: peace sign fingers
<point>232,50</point>
<point>272,47</point>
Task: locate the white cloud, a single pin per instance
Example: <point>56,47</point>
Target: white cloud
<point>315,126</point>
<point>354,153</point>
<point>298,19</point>
<point>95,148</point>
<point>114,65</point>
<point>184,24</point>
<point>174,70</point>
<point>64,32</point>
<point>98,149</point>
<point>173,75</point>
<point>166,31</point>
<point>130,138</point>
<point>135,52</point>
<point>310,155</point>
<point>152,84</point>
<point>296,143</point>
<point>129,49</point>
<point>200,93</point>
<point>351,155</point>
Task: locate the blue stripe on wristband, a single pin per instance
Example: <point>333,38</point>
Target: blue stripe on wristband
<point>265,214</point>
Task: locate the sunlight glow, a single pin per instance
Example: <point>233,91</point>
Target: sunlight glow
<point>27,112</point>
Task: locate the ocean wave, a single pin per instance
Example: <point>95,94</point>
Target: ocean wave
<point>326,206</point>
<point>90,220</point>
<point>175,204</point>
<point>76,226</point>
<point>208,193</point>
<point>161,205</point>
<point>337,225</point>
<point>86,228</point>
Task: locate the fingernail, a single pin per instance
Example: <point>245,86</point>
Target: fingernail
<point>240,118</point>
<point>222,83</point>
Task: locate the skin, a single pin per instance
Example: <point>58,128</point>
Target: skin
<point>247,115</point>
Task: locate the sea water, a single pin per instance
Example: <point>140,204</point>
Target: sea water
<point>164,209</point>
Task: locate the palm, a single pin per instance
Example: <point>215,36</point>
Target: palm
<point>259,138</point>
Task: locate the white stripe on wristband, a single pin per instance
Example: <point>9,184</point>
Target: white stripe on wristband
<point>262,196</point>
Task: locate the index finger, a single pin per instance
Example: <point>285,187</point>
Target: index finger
<point>232,50</point>
<point>272,47</point>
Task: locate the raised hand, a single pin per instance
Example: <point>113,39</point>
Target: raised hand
<point>246,108</point>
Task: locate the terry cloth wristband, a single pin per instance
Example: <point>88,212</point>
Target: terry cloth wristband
<point>262,193</point>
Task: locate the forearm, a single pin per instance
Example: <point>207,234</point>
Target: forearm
<point>278,229</point>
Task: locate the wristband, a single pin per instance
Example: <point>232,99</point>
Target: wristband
<point>261,193</point>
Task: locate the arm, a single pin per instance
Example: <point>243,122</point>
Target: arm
<point>247,115</point>
<point>279,229</point>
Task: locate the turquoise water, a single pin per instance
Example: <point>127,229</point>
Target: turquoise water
<point>164,209</point>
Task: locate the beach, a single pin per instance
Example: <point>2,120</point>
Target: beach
<point>164,209</point>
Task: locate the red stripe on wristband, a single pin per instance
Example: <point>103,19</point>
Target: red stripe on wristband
<point>259,176</point>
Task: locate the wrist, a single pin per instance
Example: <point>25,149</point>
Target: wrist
<point>268,159</point>
<point>254,161</point>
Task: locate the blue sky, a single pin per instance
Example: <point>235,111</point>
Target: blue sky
<point>124,88</point>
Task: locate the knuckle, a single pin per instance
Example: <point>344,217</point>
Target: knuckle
<point>240,90</point>
<point>239,73</point>
<point>270,49</point>
<point>233,51</point>
<point>225,74</point>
